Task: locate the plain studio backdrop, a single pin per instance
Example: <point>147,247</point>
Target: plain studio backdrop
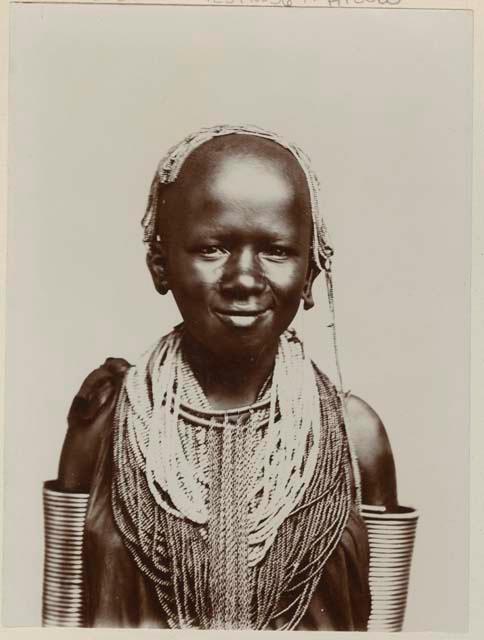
<point>380,100</point>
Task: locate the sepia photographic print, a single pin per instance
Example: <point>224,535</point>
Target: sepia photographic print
<point>237,357</point>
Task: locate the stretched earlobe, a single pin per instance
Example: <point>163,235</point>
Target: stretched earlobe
<point>157,266</point>
<point>307,297</point>
<point>307,294</point>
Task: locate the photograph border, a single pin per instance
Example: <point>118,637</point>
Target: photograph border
<point>476,562</point>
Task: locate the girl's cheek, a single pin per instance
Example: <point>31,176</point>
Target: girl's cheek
<point>284,275</point>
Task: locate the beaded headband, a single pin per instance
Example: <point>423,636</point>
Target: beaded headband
<point>171,164</point>
<point>169,168</point>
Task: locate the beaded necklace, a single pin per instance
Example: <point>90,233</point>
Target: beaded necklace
<point>231,514</point>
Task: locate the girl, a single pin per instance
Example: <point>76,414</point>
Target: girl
<point>214,482</point>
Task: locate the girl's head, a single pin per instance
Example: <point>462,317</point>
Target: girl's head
<point>234,232</point>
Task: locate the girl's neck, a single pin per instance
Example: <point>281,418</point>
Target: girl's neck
<point>231,382</point>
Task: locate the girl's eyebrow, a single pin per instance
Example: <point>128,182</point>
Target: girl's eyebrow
<point>222,232</point>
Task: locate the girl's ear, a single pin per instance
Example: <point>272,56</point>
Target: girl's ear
<point>156,262</point>
<point>307,294</point>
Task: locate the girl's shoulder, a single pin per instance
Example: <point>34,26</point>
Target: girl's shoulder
<point>97,389</point>
<point>89,421</point>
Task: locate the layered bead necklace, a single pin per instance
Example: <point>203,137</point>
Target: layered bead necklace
<point>232,514</point>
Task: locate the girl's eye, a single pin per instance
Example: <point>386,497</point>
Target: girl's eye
<point>212,251</point>
<point>277,252</point>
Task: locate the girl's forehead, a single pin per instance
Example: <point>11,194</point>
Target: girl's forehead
<point>251,181</point>
<point>243,195</point>
<point>249,218</point>
<point>245,175</point>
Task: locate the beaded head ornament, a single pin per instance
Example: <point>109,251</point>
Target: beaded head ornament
<point>169,169</point>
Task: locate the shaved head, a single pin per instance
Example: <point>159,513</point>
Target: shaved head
<point>211,154</point>
<point>246,165</point>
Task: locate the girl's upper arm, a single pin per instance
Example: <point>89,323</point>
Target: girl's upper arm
<point>374,454</point>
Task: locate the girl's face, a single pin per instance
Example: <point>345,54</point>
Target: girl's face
<point>237,254</point>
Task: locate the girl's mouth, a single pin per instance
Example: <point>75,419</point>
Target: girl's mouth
<point>242,319</point>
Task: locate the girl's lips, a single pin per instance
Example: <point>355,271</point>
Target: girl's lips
<point>241,310</point>
<point>241,319</point>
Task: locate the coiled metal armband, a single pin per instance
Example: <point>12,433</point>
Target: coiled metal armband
<point>391,536</point>
<point>64,518</point>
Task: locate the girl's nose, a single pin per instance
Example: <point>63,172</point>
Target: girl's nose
<point>242,276</point>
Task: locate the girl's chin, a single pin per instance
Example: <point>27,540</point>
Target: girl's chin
<point>241,348</point>
<point>229,337</point>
